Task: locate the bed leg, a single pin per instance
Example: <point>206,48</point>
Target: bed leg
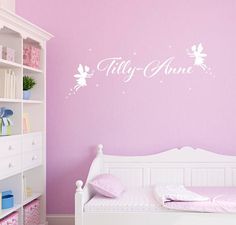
<point>79,203</point>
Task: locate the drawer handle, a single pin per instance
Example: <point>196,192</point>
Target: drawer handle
<point>10,165</point>
<point>34,157</point>
<point>33,142</point>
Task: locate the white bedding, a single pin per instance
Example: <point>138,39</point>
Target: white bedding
<point>177,193</point>
<point>132,200</point>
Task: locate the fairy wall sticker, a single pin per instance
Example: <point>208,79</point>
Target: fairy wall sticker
<point>198,55</point>
<point>114,66</point>
<point>82,76</point>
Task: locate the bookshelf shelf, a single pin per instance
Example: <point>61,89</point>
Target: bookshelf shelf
<point>4,64</point>
<point>32,102</point>
<point>10,100</point>
<point>28,69</point>
<point>6,212</point>
<point>30,199</point>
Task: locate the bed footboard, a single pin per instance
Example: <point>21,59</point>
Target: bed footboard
<point>79,203</point>
<point>83,194</point>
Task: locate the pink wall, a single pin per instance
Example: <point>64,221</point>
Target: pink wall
<point>143,116</point>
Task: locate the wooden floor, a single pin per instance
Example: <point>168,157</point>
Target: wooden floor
<point>60,219</point>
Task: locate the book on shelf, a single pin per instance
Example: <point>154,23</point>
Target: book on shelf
<point>26,123</point>
<point>8,85</point>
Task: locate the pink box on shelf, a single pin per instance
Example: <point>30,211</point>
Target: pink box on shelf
<point>31,55</point>
<point>8,54</point>
<point>32,213</point>
<point>12,219</point>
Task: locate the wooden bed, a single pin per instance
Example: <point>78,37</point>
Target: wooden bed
<point>187,166</point>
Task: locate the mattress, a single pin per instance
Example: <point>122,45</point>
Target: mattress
<point>132,200</point>
<point>222,200</point>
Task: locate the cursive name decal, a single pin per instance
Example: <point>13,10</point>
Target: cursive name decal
<point>119,66</point>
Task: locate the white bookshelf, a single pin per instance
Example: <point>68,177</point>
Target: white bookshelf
<point>24,155</point>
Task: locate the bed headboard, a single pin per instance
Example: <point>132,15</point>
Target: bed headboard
<point>187,166</point>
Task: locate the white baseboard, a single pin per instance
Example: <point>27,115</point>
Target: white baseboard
<point>60,219</point>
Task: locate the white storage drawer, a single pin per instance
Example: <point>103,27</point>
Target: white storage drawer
<point>32,142</point>
<point>10,146</point>
<point>32,159</point>
<point>10,166</point>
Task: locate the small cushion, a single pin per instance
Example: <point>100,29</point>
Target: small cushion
<point>107,185</point>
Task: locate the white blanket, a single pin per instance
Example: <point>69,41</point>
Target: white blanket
<point>178,193</point>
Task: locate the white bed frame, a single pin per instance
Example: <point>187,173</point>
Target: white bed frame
<point>187,166</point>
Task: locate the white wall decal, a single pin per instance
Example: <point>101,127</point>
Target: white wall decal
<point>82,76</point>
<point>125,68</point>
<point>198,55</point>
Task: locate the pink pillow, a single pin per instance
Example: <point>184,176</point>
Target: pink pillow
<point>107,185</point>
